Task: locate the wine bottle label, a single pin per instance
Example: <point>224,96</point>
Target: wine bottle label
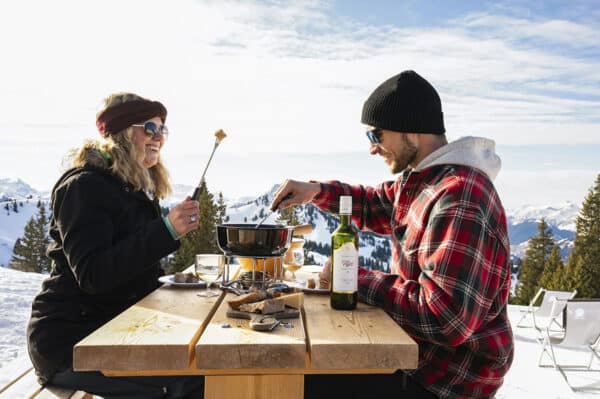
<point>345,268</point>
<point>345,205</point>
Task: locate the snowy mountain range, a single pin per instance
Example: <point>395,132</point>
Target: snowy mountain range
<point>522,222</point>
<point>11,189</point>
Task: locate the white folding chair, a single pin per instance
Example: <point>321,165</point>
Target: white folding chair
<point>542,316</point>
<point>582,332</point>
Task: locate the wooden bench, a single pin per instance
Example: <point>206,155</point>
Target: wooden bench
<point>18,380</point>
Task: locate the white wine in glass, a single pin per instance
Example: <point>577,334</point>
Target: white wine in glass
<point>209,268</point>
<point>294,257</point>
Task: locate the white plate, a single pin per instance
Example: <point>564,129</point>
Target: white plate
<point>169,279</point>
<point>302,286</point>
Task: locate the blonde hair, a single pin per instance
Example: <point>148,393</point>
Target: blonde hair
<point>125,156</point>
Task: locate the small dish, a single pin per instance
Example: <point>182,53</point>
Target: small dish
<point>170,279</point>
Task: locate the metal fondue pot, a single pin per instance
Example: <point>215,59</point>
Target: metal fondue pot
<point>266,240</point>
<point>249,240</point>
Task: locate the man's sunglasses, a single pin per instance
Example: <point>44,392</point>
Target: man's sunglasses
<point>374,135</point>
<point>154,130</point>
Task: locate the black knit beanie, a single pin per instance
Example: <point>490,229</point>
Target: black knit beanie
<point>405,103</point>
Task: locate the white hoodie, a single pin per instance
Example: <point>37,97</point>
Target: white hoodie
<point>476,152</point>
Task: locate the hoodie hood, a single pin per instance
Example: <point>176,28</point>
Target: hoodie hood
<point>475,152</point>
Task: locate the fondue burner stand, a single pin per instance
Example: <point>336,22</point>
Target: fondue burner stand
<point>257,277</point>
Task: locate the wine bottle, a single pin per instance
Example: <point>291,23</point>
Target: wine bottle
<point>344,260</point>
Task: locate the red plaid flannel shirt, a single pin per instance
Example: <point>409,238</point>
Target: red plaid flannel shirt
<point>450,273</point>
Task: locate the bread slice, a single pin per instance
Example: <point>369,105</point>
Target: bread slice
<point>242,299</point>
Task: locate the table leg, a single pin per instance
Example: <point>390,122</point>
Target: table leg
<point>254,386</point>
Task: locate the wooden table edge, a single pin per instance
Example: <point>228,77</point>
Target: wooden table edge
<point>192,371</point>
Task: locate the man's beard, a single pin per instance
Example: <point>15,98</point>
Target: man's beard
<point>406,157</point>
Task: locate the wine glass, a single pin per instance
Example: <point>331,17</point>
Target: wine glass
<point>293,259</point>
<point>209,267</point>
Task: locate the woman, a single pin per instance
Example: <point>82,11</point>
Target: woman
<point>108,237</point>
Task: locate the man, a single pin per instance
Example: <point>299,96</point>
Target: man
<point>450,274</point>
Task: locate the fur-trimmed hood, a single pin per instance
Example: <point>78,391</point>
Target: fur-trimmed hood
<point>94,157</point>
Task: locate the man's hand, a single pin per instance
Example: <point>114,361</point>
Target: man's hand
<point>294,192</point>
<point>325,275</point>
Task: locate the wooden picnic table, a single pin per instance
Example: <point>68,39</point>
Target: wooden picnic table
<point>173,331</point>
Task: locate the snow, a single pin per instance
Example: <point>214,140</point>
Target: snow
<point>525,379</point>
<point>17,290</point>
<point>562,215</point>
<point>16,189</point>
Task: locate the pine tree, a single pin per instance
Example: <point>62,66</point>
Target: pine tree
<point>557,281</point>
<point>221,209</point>
<point>552,270</point>
<point>515,267</point>
<point>567,280</point>
<point>29,253</point>
<point>289,216</point>
<point>535,259</point>
<point>586,273</point>
<point>203,240</point>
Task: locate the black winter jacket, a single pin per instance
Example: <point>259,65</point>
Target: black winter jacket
<point>107,241</point>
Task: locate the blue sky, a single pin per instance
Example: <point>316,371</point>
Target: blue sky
<point>415,13</point>
<point>412,13</point>
<point>286,80</point>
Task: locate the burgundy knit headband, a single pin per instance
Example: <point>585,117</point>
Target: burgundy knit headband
<point>119,117</point>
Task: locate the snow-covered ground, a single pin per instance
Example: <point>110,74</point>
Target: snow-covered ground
<point>525,379</point>
<point>17,290</point>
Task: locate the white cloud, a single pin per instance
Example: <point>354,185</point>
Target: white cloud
<point>550,187</point>
<point>278,76</point>
<point>557,31</point>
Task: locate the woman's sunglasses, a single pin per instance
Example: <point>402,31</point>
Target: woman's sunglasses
<point>374,135</point>
<point>154,130</point>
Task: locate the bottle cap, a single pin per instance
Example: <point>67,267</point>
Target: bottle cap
<point>345,205</point>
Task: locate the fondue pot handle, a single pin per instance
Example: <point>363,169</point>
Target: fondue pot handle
<point>302,229</point>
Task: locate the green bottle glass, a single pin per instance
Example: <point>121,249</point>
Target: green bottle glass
<point>344,260</point>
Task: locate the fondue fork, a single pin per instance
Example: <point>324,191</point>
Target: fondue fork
<point>274,209</point>
<point>219,136</point>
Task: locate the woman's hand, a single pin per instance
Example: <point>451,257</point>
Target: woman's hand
<point>184,216</point>
<point>299,193</point>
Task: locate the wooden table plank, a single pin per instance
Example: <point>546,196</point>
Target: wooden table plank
<point>239,347</point>
<point>364,338</point>
<point>159,332</point>
<point>255,387</point>
<point>192,370</point>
